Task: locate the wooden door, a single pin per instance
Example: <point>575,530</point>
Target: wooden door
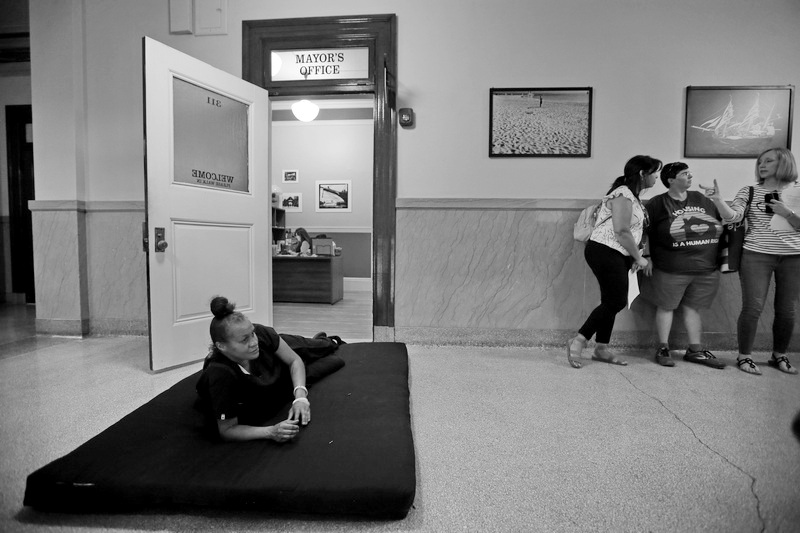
<point>208,200</point>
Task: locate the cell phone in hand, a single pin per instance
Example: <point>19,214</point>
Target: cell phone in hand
<point>768,198</point>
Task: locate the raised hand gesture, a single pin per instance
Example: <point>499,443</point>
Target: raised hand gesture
<point>712,192</point>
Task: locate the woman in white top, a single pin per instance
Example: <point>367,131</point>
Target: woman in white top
<point>771,248</point>
<point>612,250</point>
<point>303,242</point>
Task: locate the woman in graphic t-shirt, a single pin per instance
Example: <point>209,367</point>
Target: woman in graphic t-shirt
<point>683,239</point>
<point>771,248</point>
<point>612,249</point>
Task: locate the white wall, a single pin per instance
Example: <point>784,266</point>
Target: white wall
<point>639,55</point>
<point>325,150</point>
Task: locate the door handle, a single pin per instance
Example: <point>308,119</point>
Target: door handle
<point>161,243</point>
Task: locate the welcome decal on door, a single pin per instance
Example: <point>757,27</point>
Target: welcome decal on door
<point>210,138</point>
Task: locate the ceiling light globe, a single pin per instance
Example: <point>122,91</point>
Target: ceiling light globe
<point>305,111</point>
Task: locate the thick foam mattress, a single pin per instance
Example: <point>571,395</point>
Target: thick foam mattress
<point>356,457</point>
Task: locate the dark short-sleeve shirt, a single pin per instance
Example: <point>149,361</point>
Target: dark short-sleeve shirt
<point>684,235</point>
<point>227,391</point>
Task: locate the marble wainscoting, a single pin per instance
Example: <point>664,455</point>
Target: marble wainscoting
<point>508,272</point>
<point>117,268</point>
<point>89,268</point>
<point>59,267</point>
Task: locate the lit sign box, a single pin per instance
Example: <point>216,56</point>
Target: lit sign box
<point>329,64</point>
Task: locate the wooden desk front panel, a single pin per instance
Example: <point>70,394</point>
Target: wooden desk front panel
<point>307,279</point>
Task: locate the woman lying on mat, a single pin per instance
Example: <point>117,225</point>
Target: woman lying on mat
<point>251,372</point>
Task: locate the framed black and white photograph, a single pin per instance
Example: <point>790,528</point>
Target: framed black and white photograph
<point>334,196</point>
<point>540,122</point>
<point>741,122</point>
<point>292,201</point>
<point>291,176</point>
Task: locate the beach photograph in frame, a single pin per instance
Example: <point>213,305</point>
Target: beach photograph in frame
<point>291,176</point>
<point>292,202</point>
<point>737,122</point>
<point>540,122</point>
<point>334,196</point>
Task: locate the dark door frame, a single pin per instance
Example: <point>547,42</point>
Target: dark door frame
<point>379,34</point>
<point>20,191</point>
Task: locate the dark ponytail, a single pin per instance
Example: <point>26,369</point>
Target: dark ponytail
<point>634,168</point>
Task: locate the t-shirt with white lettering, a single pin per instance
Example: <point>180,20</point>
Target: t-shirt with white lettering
<point>684,234</point>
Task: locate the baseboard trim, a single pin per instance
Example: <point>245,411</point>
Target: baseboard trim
<point>16,298</point>
<point>357,284</point>
<point>70,328</point>
<point>644,340</point>
<point>383,334</point>
<point>118,326</point>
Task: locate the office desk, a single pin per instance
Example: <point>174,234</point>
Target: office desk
<point>307,279</point>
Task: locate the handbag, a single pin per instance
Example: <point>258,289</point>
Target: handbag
<point>733,241</point>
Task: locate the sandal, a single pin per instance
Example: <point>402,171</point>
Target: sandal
<point>778,361</point>
<point>611,359</point>
<point>751,367</point>
<point>573,359</point>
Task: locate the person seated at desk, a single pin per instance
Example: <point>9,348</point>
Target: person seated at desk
<point>302,242</point>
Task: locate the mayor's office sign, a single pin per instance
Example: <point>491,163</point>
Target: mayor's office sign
<point>329,64</point>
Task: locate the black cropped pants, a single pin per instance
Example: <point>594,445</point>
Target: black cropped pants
<point>610,267</point>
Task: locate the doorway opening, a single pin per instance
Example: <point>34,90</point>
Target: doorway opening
<point>19,141</point>
<point>378,35</point>
<point>335,147</point>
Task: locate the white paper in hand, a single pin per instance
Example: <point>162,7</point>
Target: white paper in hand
<point>633,287</point>
<point>791,199</point>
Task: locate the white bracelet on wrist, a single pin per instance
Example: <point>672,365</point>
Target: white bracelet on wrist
<point>302,388</point>
<point>301,400</point>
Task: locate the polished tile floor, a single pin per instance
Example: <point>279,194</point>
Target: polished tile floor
<point>349,318</point>
<point>507,440</point>
<point>18,331</point>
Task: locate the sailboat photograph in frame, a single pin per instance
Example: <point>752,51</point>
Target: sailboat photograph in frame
<point>737,122</point>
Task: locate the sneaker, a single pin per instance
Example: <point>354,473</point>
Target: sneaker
<point>663,358</point>
<point>703,357</point>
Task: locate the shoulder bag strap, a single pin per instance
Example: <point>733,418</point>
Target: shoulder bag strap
<point>747,210</point>
<point>749,201</point>
<point>599,223</point>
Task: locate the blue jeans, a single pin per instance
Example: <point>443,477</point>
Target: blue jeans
<point>755,274</point>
